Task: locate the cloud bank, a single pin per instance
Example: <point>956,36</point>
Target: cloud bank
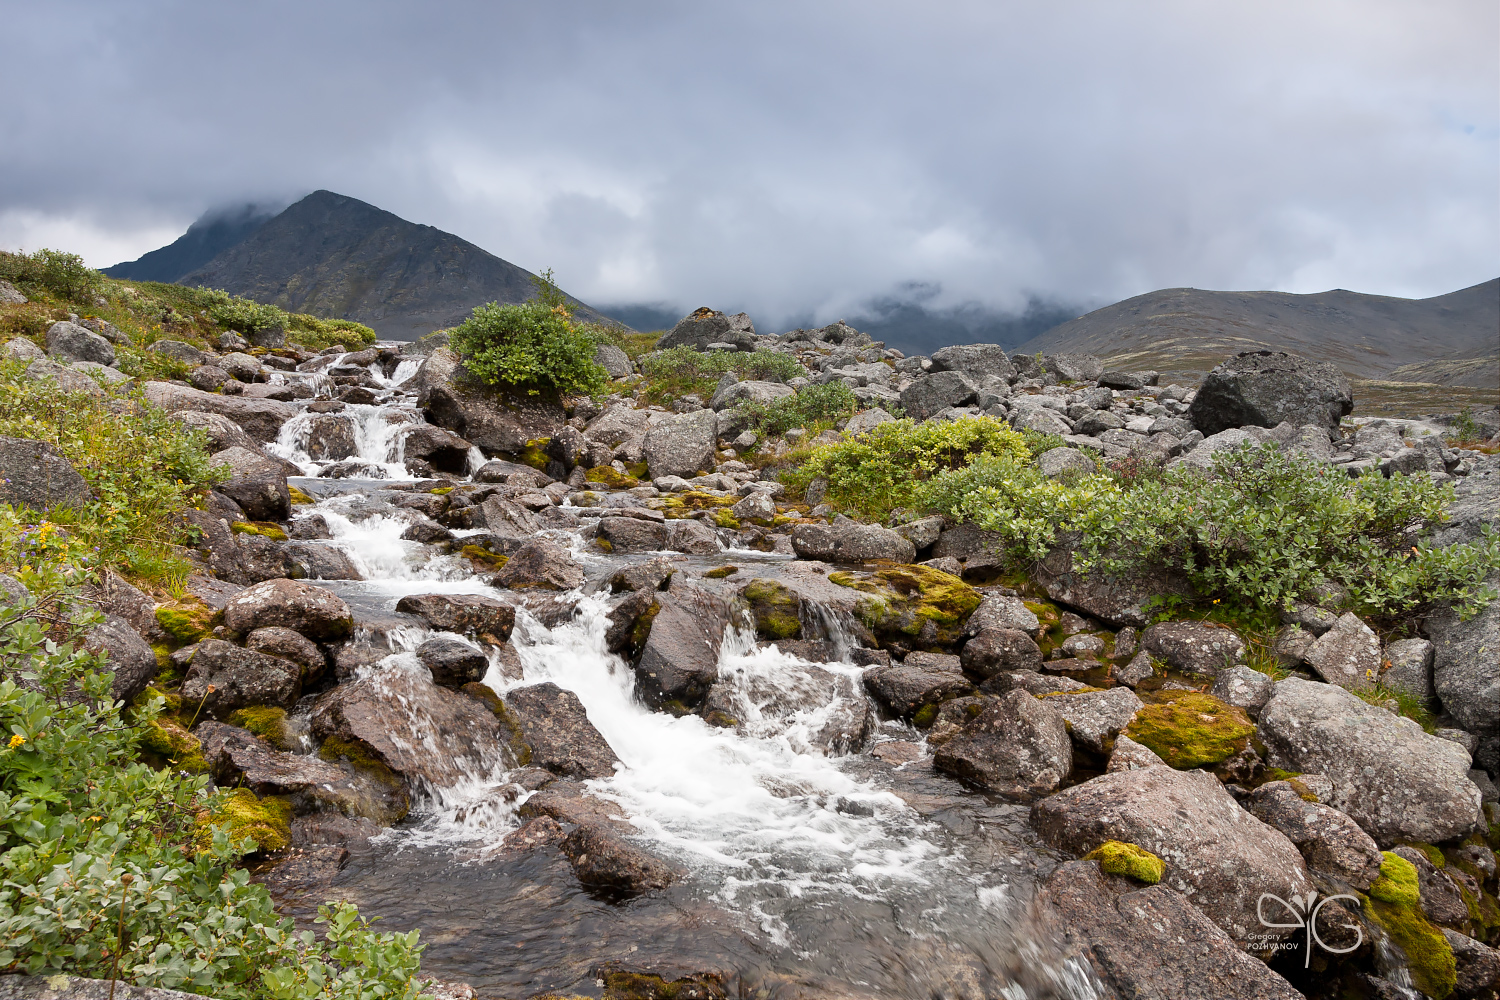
<point>797,160</point>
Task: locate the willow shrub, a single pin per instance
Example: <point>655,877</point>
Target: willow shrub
<point>531,346</point>
<point>86,830</point>
<point>883,469</point>
<point>1266,527</point>
<point>679,371</point>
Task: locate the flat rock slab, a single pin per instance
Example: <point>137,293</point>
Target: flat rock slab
<point>1394,780</point>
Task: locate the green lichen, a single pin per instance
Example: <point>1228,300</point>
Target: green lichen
<point>298,497</point>
<point>441,491</point>
<point>774,608</point>
<point>1118,858</point>
<point>902,601</point>
<point>721,572</point>
<point>187,620</point>
<point>606,475</point>
<point>265,721</point>
<point>689,502</point>
<point>1192,729</point>
<point>1434,855</point>
<point>266,821</point>
<point>265,529</point>
<point>604,544</point>
<point>639,470</point>
<point>1395,905</point>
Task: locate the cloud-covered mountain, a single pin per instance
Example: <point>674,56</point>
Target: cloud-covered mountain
<point>211,235</point>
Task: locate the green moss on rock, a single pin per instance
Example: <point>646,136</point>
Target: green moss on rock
<point>606,475</point>
<point>265,721</point>
<point>721,572</point>
<point>266,529</point>
<point>187,621</point>
<point>535,454</point>
<point>298,497</point>
<point>519,748</point>
<point>1395,905</point>
<point>925,716</point>
<point>1192,729</point>
<point>908,602</point>
<point>483,559</point>
<point>641,630</point>
<point>163,743</point>
<point>266,821</point>
<point>1118,858</point>
<point>774,608</point>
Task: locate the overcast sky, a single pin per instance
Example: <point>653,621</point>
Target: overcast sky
<point>792,158</point>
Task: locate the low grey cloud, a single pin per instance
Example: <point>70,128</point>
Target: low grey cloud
<point>799,160</point>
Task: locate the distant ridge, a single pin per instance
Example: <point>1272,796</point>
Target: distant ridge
<point>211,235</point>
<point>339,257</point>
<point>1451,339</point>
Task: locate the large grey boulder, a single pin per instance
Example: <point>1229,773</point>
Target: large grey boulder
<point>469,614</point>
<point>865,421</point>
<point>34,474</point>
<point>275,640</point>
<point>1265,388</point>
<point>681,445</point>
<point>608,863</point>
<point>540,563</point>
<point>1332,844</point>
<point>740,393</point>
<point>1243,687</point>
<point>257,483</point>
<point>221,431</point>
<point>1394,780</point>
<point>679,659</point>
<point>1002,611</point>
<point>632,534</point>
<point>996,649</point>
<point>71,342</point>
<point>21,349</point>
<point>851,542</point>
<point>1148,943</point>
<point>427,449</point>
<point>615,362</point>
<point>1065,461</point>
<point>1217,854</point>
<point>1096,718</point>
<point>1466,666</point>
<point>976,360</point>
<point>179,350</point>
<point>620,425</point>
<point>452,661</point>
<point>224,677</point>
<point>1347,654</point>
<point>312,611</point>
<point>1194,647</point>
<point>937,391</point>
<point>130,658</point>
<point>705,326</point>
<point>1120,599</point>
<point>1408,664</point>
<point>260,418</point>
<point>495,419</point>
<point>905,688</point>
<point>331,437</point>
<point>1017,747</point>
<point>555,728</point>
<point>1040,419</point>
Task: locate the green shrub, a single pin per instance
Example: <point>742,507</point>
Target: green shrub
<point>1266,527</point>
<point>316,334</point>
<point>87,832</point>
<point>531,346</point>
<point>885,468</point>
<point>243,315</point>
<point>63,274</point>
<point>679,371</point>
<point>812,403</point>
<point>144,468</point>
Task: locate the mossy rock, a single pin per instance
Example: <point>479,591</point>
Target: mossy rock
<point>724,519</point>
<point>904,600</point>
<point>623,985</point>
<point>187,620</point>
<point>1192,729</point>
<point>640,470</point>
<point>361,758</point>
<point>641,630</point>
<point>266,821</point>
<point>1433,854</point>
<point>689,502</point>
<point>535,454</point>
<point>441,491</point>
<point>925,716</point>
<point>512,729</point>
<point>606,475</point>
<point>1395,905</point>
<point>721,572</point>
<point>1119,858</point>
<point>163,743</point>
<point>266,529</point>
<point>721,720</point>
<point>265,721</point>
<point>483,559</point>
<point>298,497</point>
<point>775,609</point>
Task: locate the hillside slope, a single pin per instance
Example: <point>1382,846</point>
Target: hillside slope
<point>1451,339</point>
<point>205,239</point>
<point>331,255</point>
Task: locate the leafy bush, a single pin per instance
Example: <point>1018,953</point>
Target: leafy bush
<point>144,468</point>
<point>531,345</point>
<point>1267,527</point>
<point>315,333</point>
<point>811,404</point>
<point>883,469</point>
<point>63,274</point>
<point>242,315</point>
<point>679,371</point>
<point>88,833</point>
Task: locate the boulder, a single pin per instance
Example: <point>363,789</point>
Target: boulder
<point>1476,967</point>
<point>1128,755</point>
<point>753,392</point>
<point>1096,718</point>
<point>758,507</point>
<point>224,677</point>
<point>679,658</point>
<point>275,640</point>
<point>926,396</point>
<point>650,575</point>
<point>1017,747</point>
<point>1096,422</point>
<point>1347,654</point>
<point>851,542</point>
<point>540,563</point>
<point>506,519</point>
<point>621,426</point>
<point>257,483</point>
<point>615,362</point>
<point>1065,461</point>
<point>427,449</point>
<point>1217,854</point>
<point>1332,844</point>
<point>469,614</point>
<point>493,419</point>
<point>453,662</point>
<point>923,532</point>
<point>1394,780</point>
<point>692,537</point>
<point>34,474</point>
<point>604,861</point>
<point>1120,599</point>
<point>1003,611</point>
<point>1148,943</point>
<point>312,611</point>
<point>1193,647</point>
<point>905,689</point>
<point>975,360</point>
<point>432,737</point>
<point>555,728</point>
<point>1408,667</point>
<point>260,418</point>
<point>1243,687</point>
<point>10,295</point>
<point>129,657</point>
<point>632,534</point>
<point>704,326</point>
<point>995,649</point>
<point>681,445</point>
<point>70,342</point>
<point>65,378</point>
<point>1265,388</point>
<point>866,420</point>
<point>1073,367</point>
<point>21,349</point>
<point>222,432</point>
<point>330,437</point>
<point>1466,667</point>
<point>242,367</point>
